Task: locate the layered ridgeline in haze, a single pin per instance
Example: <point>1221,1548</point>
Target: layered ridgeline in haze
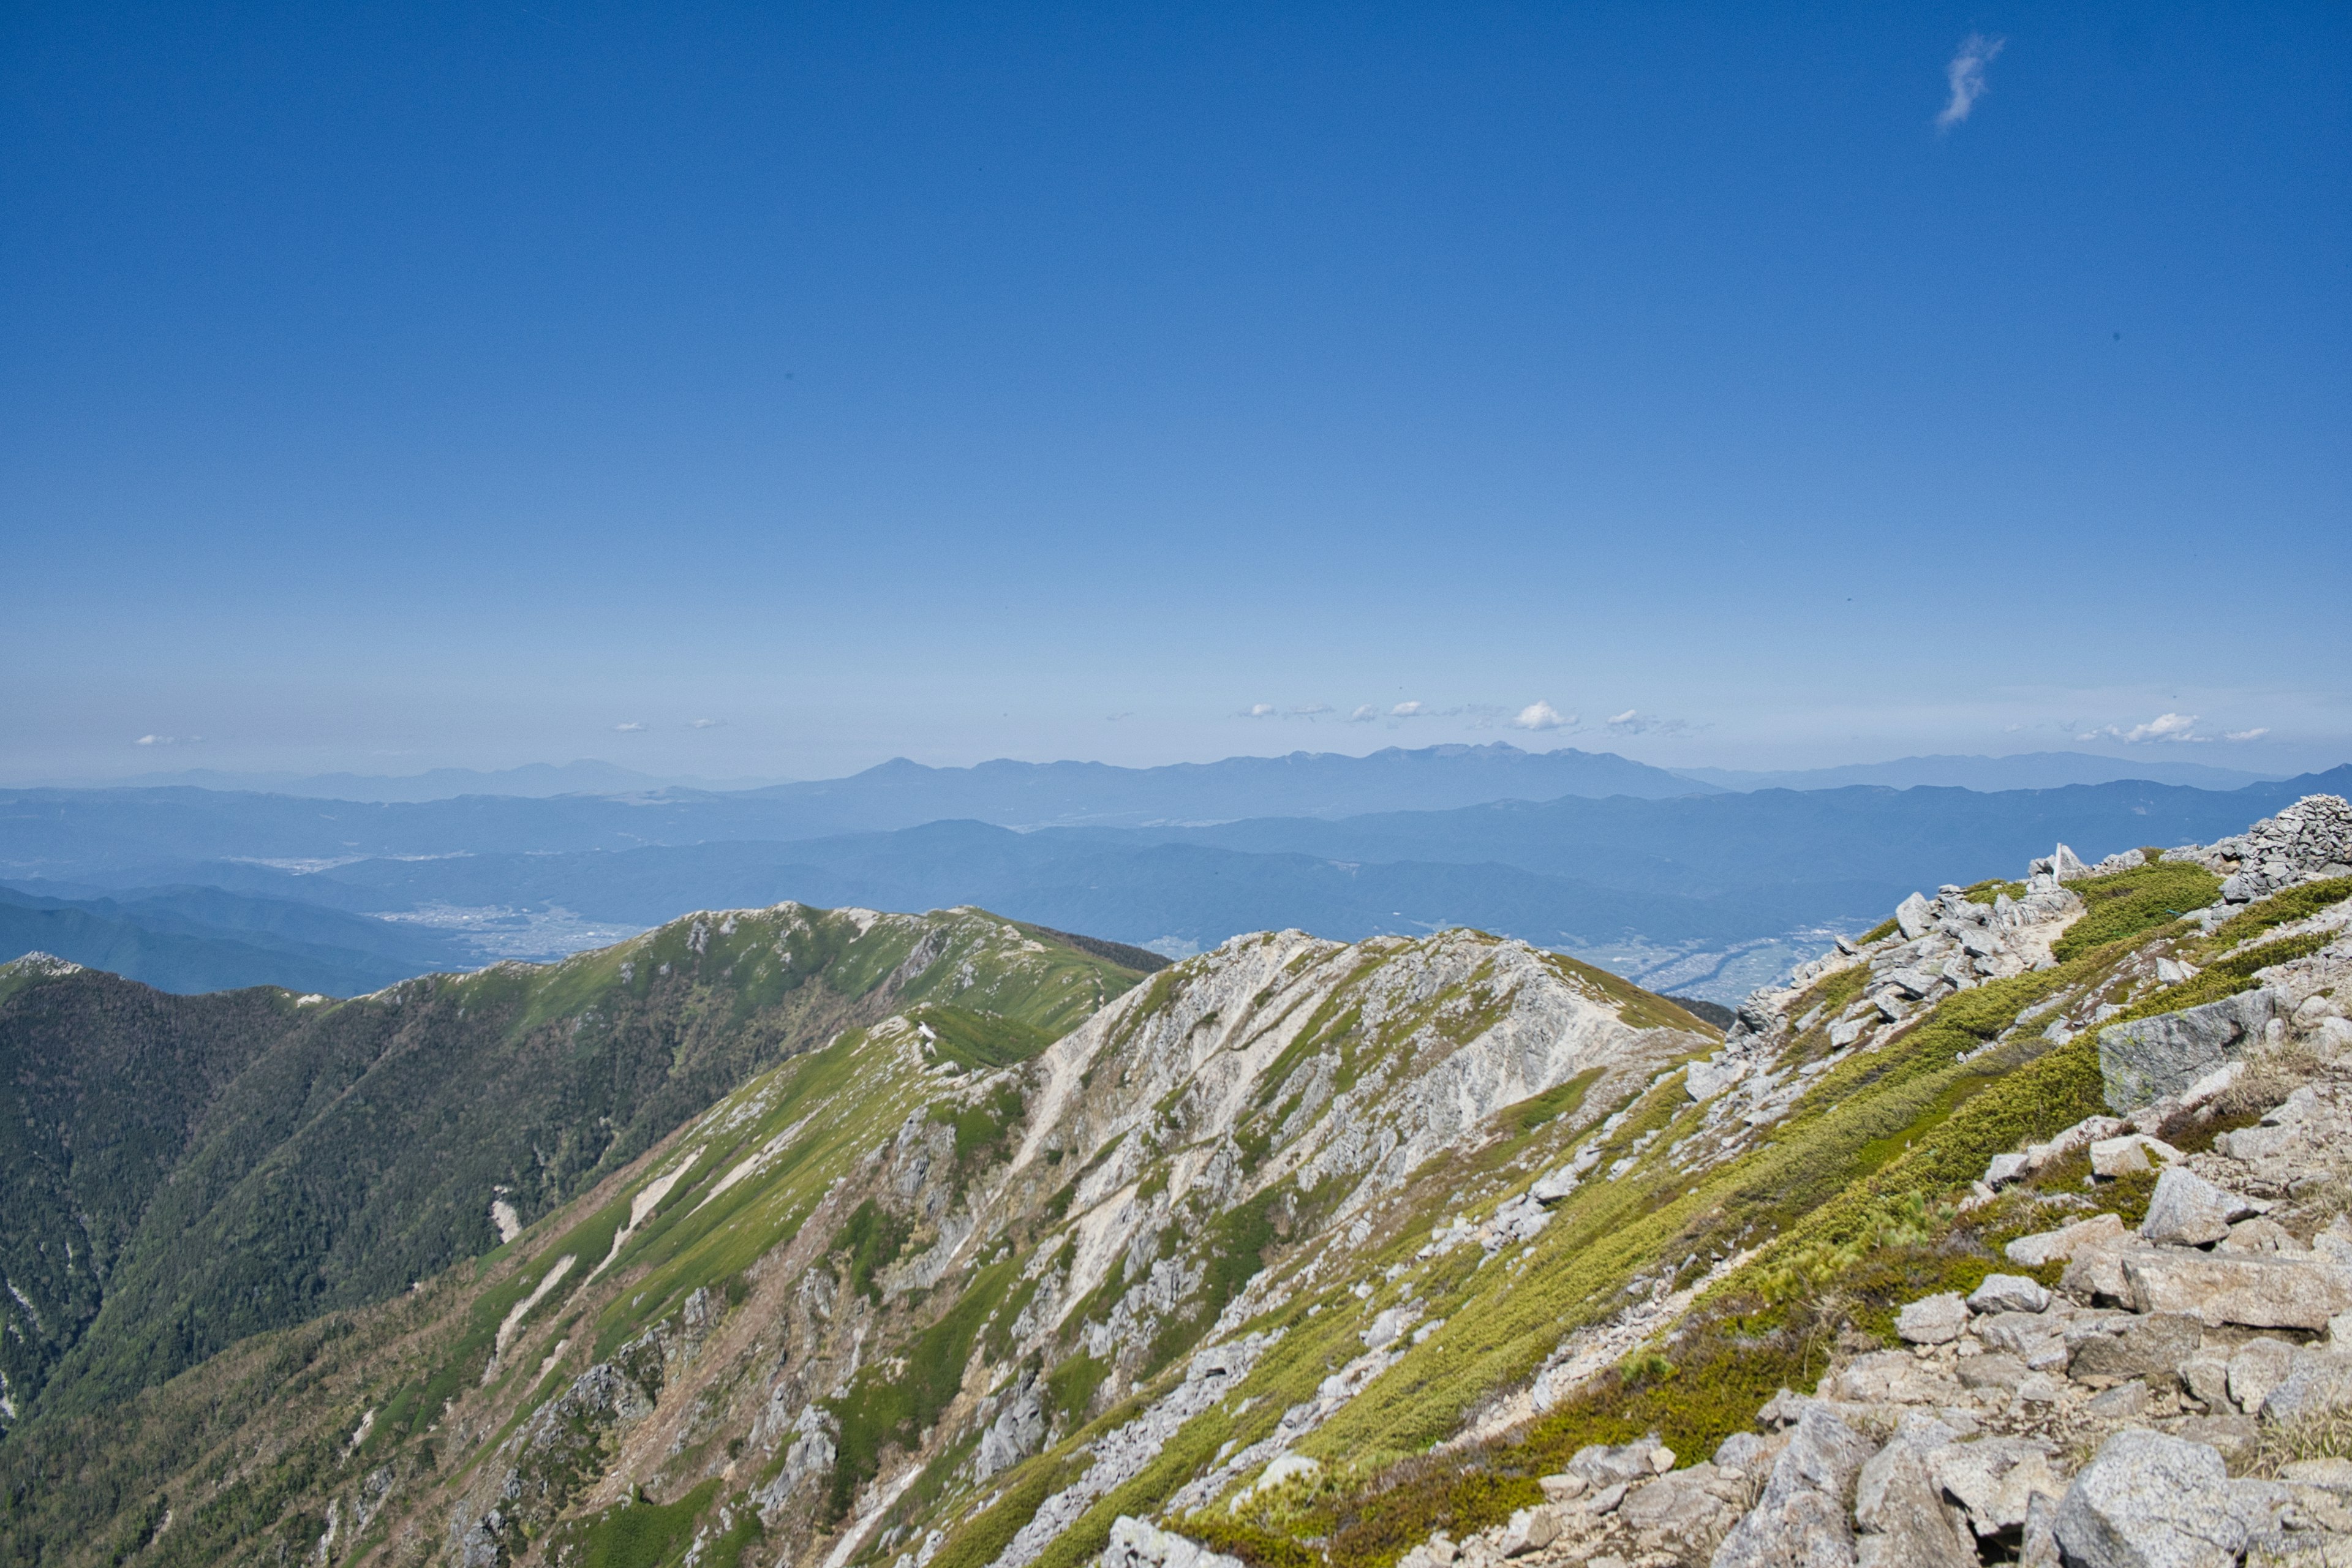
<point>1412,1250</point>
<point>1706,895</point>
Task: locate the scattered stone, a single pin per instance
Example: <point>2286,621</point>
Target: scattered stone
<point>2186,1210</point>
<point>1994,1370</point>
<point>2124,1402</point>
<point>2261,1235</point>
<point>1606,1500</point>
<point>1690,1508</point>
<point>1913,917</point>
<point>1137,1543</point>
<point>1934,1320</point>
<point>2157,1345</point>
<point>2008,1293</point>
<point>2134,1151</point>
<point>2206,1375</point>
<point>1529,1530</point>
<point>1566,1487</point>
<point>2316,1381</point>
<point>2257,1367</point>
<point>1803,1519</point>
<point>2003,1169</point>
<point>2100,1233</point>
<point>1994,1480</point>
<point>1636,1461</point>
<point>1900,1508</point>
<point>2255,1291</point>
<point>2148,1500</point>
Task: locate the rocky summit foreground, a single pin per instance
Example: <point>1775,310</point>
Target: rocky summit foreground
<point>2014,1230</point>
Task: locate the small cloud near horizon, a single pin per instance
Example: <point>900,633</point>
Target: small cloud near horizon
<point>1542,715</point>
<point>1364,714</point>
<point>706,723</point>
<point>1407,710</point>
<point>1259,710</point>
<point>631,728</point>
<point>2255,734</point>
<point>1965,76</point>
<point>1627,717</point>
<point>167,739</point>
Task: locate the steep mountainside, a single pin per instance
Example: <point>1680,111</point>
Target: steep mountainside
<point>188,1172</point>
<point>1415,1250</point>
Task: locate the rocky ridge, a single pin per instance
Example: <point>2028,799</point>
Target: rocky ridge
<point>2158,1392</point>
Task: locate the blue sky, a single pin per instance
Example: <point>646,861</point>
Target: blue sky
<point>389,387</point>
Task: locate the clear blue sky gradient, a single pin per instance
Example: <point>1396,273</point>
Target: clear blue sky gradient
<point>386,387</point>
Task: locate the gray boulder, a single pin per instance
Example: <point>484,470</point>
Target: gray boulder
<point>2142,1061</point>
<point>2157,1345</point>
<point>2186,1210</point>
<point>1804,1519</point>
<point>1934,1321</point>
<point>2257,1367</point>
<point>1687,1511</point>
<point>2316,1381</point>
<point>1137,1543</point>
<point>2100,1233</point>
<point>1995,1479</point>
<point>1637,1461</point>
<point>2008,1293</point>
<point>1913,917</point>
<point>1901,1512</point>
<point>2253,1290</point>
<point>2148,1500</point>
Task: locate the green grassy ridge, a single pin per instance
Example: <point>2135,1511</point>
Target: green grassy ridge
<point>690,1239</point>
<point>357,1150</point>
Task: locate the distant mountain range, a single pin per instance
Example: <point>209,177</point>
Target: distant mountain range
<point>901,793</point>
<point>1663,889</point>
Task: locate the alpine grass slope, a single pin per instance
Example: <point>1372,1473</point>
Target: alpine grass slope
<point>1414,1250</point>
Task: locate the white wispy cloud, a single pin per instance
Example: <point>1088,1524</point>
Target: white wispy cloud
<point>2174,727</point>
<point>167,739</point>
<point>631,728</point>
<point>1311,711</point>
<point>1259,710</point>
<point>1542,715</point>
<point>1408,710</point>
<point>2247,735</point>
<point>1364,714</point>
<point>1626,718</point>
<point>706,723</point>
<point>1966,76</point>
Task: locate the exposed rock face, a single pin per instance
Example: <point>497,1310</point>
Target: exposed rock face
<point>2186,1210</point>
<point>2148,1058</point>
<point>2148,1500</point>
<point>1137,1543</point>
<point>1804,1519</point>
